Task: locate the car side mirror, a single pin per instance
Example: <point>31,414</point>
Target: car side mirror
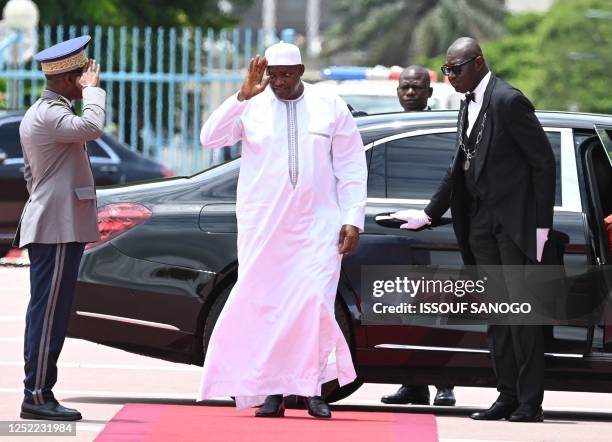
<point>3,156</point>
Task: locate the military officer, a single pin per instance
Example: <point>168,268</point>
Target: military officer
<point>60,214</point>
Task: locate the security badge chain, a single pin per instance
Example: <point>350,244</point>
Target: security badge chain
<point>469,153</point>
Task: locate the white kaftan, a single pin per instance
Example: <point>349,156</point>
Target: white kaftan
<point>302,176</point>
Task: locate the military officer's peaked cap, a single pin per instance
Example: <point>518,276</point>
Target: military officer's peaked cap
<point>64,57</point>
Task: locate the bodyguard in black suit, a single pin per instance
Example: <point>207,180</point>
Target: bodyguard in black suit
<point>500,189</point>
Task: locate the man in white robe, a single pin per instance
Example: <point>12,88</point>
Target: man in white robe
<point>300,206</point>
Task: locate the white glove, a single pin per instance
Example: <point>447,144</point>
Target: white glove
<point>415,219</point>
<point>541,237</point>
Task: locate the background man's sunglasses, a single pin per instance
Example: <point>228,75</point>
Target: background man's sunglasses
<point>456,68</point>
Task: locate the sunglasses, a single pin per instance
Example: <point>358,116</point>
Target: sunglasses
<point>456,68</point>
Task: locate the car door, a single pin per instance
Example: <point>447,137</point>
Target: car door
<point>596,155</point>
<point>404,171</point>
<point>105,164</point>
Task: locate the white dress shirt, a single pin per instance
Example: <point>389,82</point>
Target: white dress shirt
<point>475,105</point>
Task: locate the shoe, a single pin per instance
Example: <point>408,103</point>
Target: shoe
<point>408,394</point>
<point>317,407</point>
<point>50,410</point>
<point>527,414</point>
<point>445,397</point>
<point>273,406</point>
<point>499,410</point>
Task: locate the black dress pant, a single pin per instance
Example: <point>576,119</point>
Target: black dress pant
<point>517,350</point>
<point>53,275</point>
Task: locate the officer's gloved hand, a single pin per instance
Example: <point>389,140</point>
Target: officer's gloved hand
<point>415,219</point>
<point>541,238</point>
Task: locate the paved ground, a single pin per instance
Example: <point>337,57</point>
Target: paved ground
<point>99,380</point>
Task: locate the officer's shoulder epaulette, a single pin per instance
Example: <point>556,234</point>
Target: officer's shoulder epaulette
<point>57,102</point>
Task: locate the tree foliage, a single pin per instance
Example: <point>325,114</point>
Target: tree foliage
<point>397,31</point>
<point>134,12</point>
<point>575,57</point>
<point>560,59</point>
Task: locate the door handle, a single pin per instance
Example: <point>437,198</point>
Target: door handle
<point>386,220</point>
<point>109,169</point>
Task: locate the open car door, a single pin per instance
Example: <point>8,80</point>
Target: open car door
<point>597,166</point>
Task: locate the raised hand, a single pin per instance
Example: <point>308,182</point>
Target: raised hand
<point>90,75</point>
<point>252,84</point>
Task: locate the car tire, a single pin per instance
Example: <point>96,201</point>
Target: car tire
<point>213,315</point>
<point>331,391</point>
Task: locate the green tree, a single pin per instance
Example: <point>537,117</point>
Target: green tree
<point>397,31</point>
<point>134,12</point>
<point>515,57</point>
<point>575,56</point>
<point>561,59</point>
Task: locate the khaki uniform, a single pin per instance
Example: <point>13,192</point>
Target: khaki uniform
<point>62,203</point>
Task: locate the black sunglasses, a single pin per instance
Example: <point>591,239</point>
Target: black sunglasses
<point>456,68</point>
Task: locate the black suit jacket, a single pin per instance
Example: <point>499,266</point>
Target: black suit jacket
<point>514,172</point>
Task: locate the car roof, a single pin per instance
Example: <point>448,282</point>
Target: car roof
<point>373,127</point>
<point>547,118</point>
<point>10,114</point>
<point>404,120</point>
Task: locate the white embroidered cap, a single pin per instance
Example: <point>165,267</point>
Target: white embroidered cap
<point>283,54</point>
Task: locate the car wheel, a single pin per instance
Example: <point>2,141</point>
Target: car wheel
<point>213,315</point>
<point>331,391</point>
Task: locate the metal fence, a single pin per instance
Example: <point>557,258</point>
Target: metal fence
<point>161,84</point>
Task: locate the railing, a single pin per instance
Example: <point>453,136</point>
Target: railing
<point>161,84</point>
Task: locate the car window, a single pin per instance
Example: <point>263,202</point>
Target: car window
<point>376,172</point>
<point>555,142</point>
<point>95,150</point>
<point>415,165</point>
<point>9,140</point>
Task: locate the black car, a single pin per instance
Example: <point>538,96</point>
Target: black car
<point>157,280</point>
<point>112,162</point>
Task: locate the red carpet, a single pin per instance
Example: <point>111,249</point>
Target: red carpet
<point>164,423</point>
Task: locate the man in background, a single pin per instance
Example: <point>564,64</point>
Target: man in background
<point>413,90</point>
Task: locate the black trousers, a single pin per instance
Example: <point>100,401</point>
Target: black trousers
<point>517,350</point>
<point>53,275</point>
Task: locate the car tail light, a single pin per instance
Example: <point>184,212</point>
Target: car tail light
<point>166,172</point>
<point>115,219</point>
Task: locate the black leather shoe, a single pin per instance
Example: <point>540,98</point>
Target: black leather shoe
<point>527,414</point>
<point>273,406</point>
<point>499,410</point>
<point>445,397</point>
<point>408,394</point>
<point>317,407</point>
<point>50,410</point>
